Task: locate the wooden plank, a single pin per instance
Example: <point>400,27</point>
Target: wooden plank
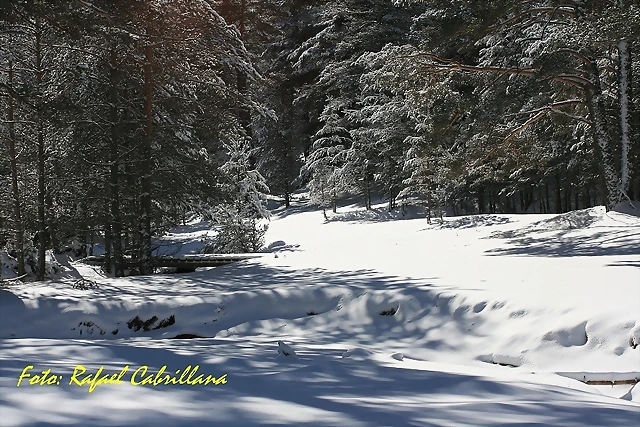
<point>603,378</point>
<point>612,383</point>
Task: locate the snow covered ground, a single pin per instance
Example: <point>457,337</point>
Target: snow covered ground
<point>478,321</point>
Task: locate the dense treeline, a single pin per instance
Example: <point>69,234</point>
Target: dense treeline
<point>119,118</point>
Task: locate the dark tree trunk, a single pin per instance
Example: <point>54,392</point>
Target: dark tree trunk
<point>107,266</point>
<point>547,198</point>
<point>242,83</point>
<point>92,241</point>
<point>145,167</point>
<point>52,226</point>
<point>540,201</point>
<point>522,208</point>
<point>494,202</point>
<point>115,221</point>
<point>428,204</point>
<point>42,226</point>
<point>367,192</point>
<point>528,199</point>
<point>15,191</point>
<point>558,194</point>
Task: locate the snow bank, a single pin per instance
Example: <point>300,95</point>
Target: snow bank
<point>386,318</point>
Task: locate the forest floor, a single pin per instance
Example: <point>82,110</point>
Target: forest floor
<point>478,320</point>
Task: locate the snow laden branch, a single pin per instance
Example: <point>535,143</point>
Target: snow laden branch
<point>553,108</point>
<point>437,64</point>
<point>536,12</point>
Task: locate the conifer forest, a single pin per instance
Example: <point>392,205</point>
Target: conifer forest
<point>121,119</point>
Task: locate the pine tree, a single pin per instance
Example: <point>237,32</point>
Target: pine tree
<point>239,220</point>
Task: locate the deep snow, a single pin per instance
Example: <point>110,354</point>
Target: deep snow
<point>393,322</point>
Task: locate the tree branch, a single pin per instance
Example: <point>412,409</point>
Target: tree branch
<point>540,10</point>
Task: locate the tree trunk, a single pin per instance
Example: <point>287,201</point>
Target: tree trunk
<point>107,266</point>
<point>287,198</point>
<point>367,193</point>
<point>42,226</point>
<point>52,225</point>
<point>558,194</point>
<point>625,99</point>
<point>547,208</point>
<point>521,201</point>
<point>493,201</point>
<point>145,167</point>
<point>601,136</point>
<point>242,84</point>
<point>92,241</point>
<point>587,198</point>
<point>115,221</point>
<point>540,201</point>
<point>15,190</point>
<point>428,204</point>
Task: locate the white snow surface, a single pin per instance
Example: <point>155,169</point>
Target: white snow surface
<point>476,321</point>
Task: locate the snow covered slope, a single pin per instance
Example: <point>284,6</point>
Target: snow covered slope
<point>389,322</point>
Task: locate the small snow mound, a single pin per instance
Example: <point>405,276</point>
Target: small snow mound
<point>571,220</point>
<point>574,220</point>
<point>398,356</point>
<point>277,244</point>
<point>359,353</point>
<point>281,246</point>
<point>502,360</point>
<point>569,337</point>
<point>285,350</point>
<point>473,221</point>
<point>630,208</point>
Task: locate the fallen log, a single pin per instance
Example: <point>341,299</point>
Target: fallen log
<point>603,378</point>
<point>184,263</point>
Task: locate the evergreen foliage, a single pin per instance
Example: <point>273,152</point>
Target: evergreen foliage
<point>121,118</point>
